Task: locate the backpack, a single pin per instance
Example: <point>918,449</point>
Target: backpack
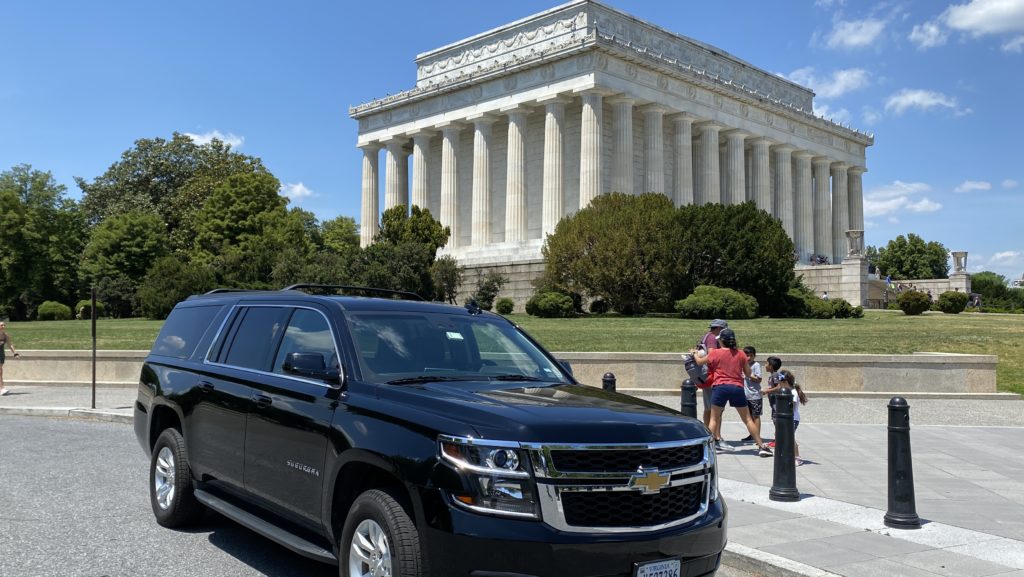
<point>696,373</point>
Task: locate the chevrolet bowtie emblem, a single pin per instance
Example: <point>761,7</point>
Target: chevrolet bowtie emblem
<point>649,481</point>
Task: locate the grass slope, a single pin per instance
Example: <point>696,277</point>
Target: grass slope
<point>878,332</point>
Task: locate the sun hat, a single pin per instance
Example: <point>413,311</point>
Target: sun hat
<point>718,324</point>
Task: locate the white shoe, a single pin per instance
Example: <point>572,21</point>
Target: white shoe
<point>4,392</point>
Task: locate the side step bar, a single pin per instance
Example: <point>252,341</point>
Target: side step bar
<point>268,530</point>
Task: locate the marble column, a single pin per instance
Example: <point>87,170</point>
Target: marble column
<point>420,176</point>
<point>822,207</point>
<point>481,209</point>
<point>840,211</point>
<point>723,172</point>
<point>368,216</point>
<point>855,192</point>
<point>515,180</point>
<point>783,202</point>
<point>748,182</point>
<point>622,144</point>
<point>707,188</point>
<point>450,181</point>
<point>803,206</point>
<point>554,160</point>
<point>760,180</point>
<point>654,148</point>
<point>735,176</point>
<point>683,173</point>
<point>393,169</point>
<point>590,147</point>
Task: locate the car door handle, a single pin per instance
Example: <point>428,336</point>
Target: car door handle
<point>206,386</point>
<point>262,401</point>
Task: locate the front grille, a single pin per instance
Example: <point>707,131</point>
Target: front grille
<point>627,460</point>
<point>631,508</point>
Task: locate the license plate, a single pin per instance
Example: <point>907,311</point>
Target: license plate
<point>666,568</point>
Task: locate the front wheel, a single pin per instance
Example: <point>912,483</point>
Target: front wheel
<point>379,539</point>
<point>170,487</point>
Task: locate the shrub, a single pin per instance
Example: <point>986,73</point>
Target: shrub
<point>487,287</point>
<point>841,309</point>
<point>858,312</point>
<point>550,305</point>
<point>819,309</point>
<point>53,311</point>
<point>709,302</point>
<point>952,302</point>
<point>505,305</point>
<point>83,310</point>
<point>598,306</point>
<point>914,302</point>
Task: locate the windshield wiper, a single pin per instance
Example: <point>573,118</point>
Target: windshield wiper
<point>427,379</point>
<point>513,377</point>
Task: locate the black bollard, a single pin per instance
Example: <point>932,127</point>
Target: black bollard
<point>688,399</point>
<point>902,513</point>
<point>784,475</point>
<point>608,382</point>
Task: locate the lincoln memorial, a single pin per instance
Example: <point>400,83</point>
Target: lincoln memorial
<point>514,128</point>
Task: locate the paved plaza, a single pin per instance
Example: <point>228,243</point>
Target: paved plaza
<point>968,474</point>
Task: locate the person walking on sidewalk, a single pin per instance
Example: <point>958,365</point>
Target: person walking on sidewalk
<point>730,367</point>
<point>772,385</point>
<point>752,388</point>
<point>788,381</point>
<point>710,342</point>
<point>5,343</point>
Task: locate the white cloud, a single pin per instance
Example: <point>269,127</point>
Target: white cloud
<point>897,188</point>
<point>982,17</point>
<point>1014,45</point>
<point>870,116</point>
<point>928,35</point>
<point>890,199</point>
<point>1005,257</point>
<point>855,33</point>
<point>924,205</point>
<point>893,220</point>
<point>1010,183</point>
<point>972,185</point>
<point>296,191</point>
<point>205,138</point>
<point>828,3</point>
<point>900,102</point>
<point>834,86</point>
<point>840,115</point>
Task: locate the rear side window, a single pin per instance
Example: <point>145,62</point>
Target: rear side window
<point>259,331</point>
<point>183,330</point>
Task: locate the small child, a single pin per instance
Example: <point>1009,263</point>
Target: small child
<point>752,389</point>
<point>789,381</point>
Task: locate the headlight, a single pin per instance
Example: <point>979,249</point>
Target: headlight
<point>713,463</point>
<point>498,477</point>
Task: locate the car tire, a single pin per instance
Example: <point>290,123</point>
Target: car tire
<point>170,483</point>
<point>384,535</point>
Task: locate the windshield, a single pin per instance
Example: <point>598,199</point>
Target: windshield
<point>410,347</point>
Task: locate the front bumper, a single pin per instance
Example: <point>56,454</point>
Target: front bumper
<point>482,546</point>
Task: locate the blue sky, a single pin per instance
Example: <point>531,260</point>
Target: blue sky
<point>940,84</point>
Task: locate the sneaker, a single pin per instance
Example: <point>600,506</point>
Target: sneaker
<point>799,461</point>
<point>722,446</point>
<point>747,439</point>
<point>764,451</point>
<point>4,392</point>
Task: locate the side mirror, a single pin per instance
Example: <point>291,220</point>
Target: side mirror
<point>567,366</point>
<point>310,365</point>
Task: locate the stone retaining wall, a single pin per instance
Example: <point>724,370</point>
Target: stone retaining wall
<point>914,373</point>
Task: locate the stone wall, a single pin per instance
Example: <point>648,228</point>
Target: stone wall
<point>520,285</point>
<point>112,367</point>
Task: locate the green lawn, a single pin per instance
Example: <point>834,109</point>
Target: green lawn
<point>878,332</point>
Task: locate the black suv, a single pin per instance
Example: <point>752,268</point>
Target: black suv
<point>401,438</point>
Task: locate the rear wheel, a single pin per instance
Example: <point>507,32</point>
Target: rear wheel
<point>379,539</point>
<point>170,487</point>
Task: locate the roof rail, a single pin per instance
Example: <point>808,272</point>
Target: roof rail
<point>410,296</point>
<point>232,290</point>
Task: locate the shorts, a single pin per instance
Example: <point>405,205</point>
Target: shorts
<point>728,394</point>
<point>795,425</point>
<point>2,356</point>
<point>756,407</point>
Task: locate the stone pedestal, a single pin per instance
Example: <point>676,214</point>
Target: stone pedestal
<point>853,285</point>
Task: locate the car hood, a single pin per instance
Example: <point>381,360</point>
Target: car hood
<point>548,413</point>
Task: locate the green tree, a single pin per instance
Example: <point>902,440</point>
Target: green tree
<point>170,281</point>
<point>910,257</point>
<point>340,233</point>
<point>42,235</point>
<point>447,276</point>
<point>119,254</point>
<point>991,286</point>
<point>487,288</point>
<point>403,267</point>
<point>171,178</point>
<point>397,227</point>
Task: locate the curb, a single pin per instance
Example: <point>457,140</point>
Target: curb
<point>763,563</point>
<point>69,412</point>
<point>857,395</point>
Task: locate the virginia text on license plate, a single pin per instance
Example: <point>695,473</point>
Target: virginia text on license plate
<point>668,568</point>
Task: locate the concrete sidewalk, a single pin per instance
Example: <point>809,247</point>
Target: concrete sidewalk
<point>968,473</point>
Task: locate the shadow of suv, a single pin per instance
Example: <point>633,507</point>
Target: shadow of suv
<point>397,437</point>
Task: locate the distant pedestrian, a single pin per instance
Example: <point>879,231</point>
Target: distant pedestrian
<point>770,387</point>
<point>5,343</point>
<point>824,297</point>
<point>730,367</point>
<point>709,342</point>
<point>752,388</point>
<point>800,398</point>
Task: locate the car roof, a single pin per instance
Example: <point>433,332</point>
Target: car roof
<point>350,303</point>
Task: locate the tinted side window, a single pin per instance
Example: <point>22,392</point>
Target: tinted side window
<point>182,331</point>
<point>258,332</point>
<point>308,332</point>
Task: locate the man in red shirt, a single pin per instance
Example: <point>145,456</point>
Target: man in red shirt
<point>730,367</point>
